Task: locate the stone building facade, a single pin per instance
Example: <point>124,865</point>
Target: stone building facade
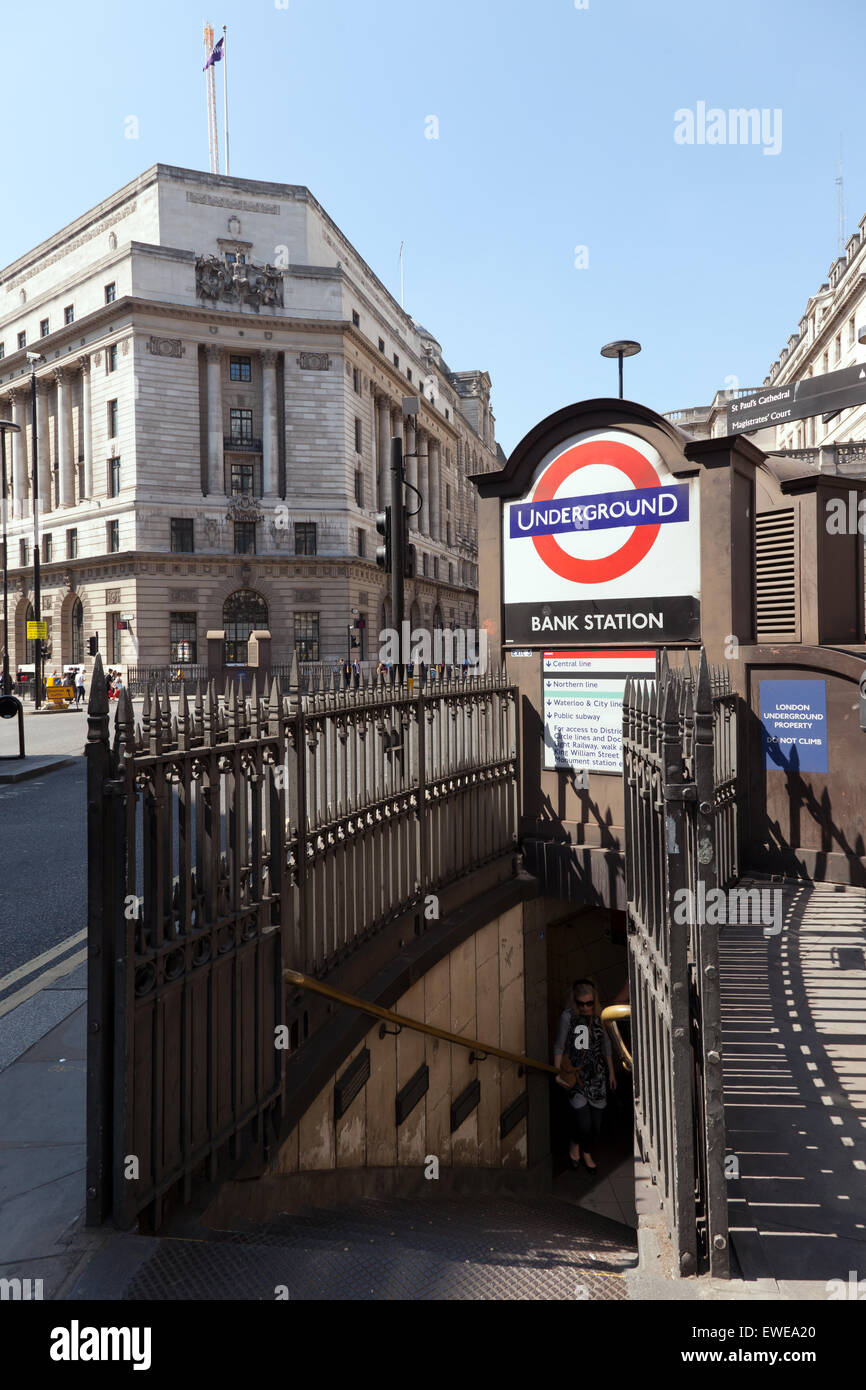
<point>220,377</point>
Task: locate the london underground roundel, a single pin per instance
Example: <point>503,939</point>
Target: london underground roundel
<point>605,543</point>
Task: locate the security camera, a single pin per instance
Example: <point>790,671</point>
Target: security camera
<point>34,357</point>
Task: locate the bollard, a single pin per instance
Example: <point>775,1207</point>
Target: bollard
<point>10,706</point>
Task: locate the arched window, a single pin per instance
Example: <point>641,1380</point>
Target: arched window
<point>77,620</point>
<point>244,611</point>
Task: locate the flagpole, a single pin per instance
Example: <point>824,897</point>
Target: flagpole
<point>226,96</point>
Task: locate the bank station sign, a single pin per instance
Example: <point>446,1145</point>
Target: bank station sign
<point>604,548</point>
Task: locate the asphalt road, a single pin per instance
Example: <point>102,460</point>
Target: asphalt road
<point>43,879</point>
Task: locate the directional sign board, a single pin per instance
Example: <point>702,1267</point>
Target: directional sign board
<point>39,630</point>
<point>583,693</point>
<point>604,547</point>
<point>797,400</point>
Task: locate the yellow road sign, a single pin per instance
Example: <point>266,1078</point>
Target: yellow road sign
<point>37,630</point>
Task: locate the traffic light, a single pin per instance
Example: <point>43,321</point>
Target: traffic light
<point>92,645</point>
<point>409,561</point>
<point>383,552</point>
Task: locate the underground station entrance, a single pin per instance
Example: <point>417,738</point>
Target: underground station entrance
<point>583,925</point>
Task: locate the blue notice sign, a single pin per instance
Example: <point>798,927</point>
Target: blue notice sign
<point>643,506</point>
<point>794,722</point>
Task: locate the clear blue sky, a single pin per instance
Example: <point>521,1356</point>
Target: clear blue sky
<point>556,130</point>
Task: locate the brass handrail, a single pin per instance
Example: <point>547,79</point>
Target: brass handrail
<point>294,977</point>
<point>610,1017</point>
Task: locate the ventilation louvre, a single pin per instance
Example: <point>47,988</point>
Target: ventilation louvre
<point>776,609</point>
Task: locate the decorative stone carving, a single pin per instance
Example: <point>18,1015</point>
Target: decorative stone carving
<point>124,347</point>
<point>212,530</point>
<point>97,359</point>
<point>183,595</point>
<point>234,226</point>
<point>314,362</point>
<point>47,603</point>
<point>243,509</point>
<point>166,347</point>
<point>112,596</point>
<point>245,284</point>
<point>112,241</point>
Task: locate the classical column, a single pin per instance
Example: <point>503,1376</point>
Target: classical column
<point>64,437</point>
<point>423,481</point>
<point>43,391</point>
<point>270,456</point>
<point>19,453</point>
<point>435,489</point>
<point>86,429</point>
<point>215,448</point>
<point>383,428</point>
<point>411,470</point>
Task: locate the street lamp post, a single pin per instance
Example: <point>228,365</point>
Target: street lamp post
<point>5,426</point>
<point>623,347</point>
<point>33,358</point>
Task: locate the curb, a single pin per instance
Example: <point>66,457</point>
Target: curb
<point>49,765</point>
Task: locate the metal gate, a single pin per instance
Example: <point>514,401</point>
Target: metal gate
<point>680,775</point>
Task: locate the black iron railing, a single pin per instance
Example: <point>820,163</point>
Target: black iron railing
<point>230,839</point>
<point>680,785</point>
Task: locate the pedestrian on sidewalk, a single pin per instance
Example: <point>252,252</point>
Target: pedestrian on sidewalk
<point>79,688</point>
<point>583,1056</point>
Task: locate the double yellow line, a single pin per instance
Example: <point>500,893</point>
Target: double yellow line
<point>47,976</point>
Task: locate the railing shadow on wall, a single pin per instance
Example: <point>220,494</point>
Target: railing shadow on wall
<point>238,837</point>
<point>802,833</point>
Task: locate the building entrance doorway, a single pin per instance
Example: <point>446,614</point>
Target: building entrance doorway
<point>590,944</point>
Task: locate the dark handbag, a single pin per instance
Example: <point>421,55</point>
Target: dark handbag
<point>569,1073</point>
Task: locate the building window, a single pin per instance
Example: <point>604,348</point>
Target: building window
<point>305,538</point>
<point>24,553</point>
<point>110,293</point>
<point>235,258</point>
<point>47,547</point>
<point>424,565</point>
<point>435,567</point>
<point>181,638</point>
<point>113,537</point>
<point>245,538</point>
<point>448,496</point>
<point>851,333</point>
<point>22,340</point>
<point>359,488</point>
<point>241,426</point>
<point>838,347</point>
<point>362,541</point>
<point>77,625</point>
<point>240,369</point>
<point>381,344</point>
<point>356,381</point>
<point>409,373</point>
<point>2,349</point>
<point>115,638</point>
<point>44,328</point>
<point>182,535</point>
<point>357,435</point>
<point>69,314</point>
<point>112,419</point>
<point>244,611</point>
<point>113,477</point>
<point>111,358</point>
<point>450,574</point>
<point>72,544</point>
<point>396,360</point>
<point>356,318</point>
<point>243,481</point>
<point>307,636</point>
<point>825,362</point>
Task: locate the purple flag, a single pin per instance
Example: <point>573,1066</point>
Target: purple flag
<point>216,54</point>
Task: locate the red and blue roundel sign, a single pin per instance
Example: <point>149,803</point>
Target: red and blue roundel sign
<point>637,470</point>
<point>604,519</point>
